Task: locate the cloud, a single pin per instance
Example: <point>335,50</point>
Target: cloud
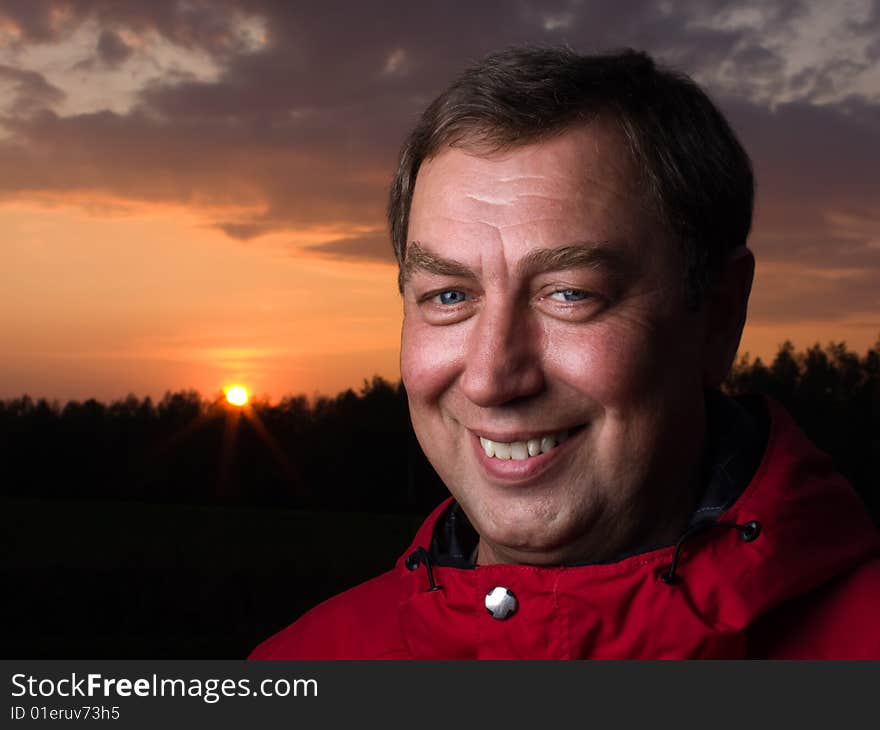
<point>396,63</point>
<point>198,165</point>
<point>112,50</point>
<point>245,231</point>
<point>29,91</point>
<point>793,293</point>
<point>370,247</point>
<point>37,21</point>
<point>219,27</point>
<point>298,124</point>
<point>815,166</point>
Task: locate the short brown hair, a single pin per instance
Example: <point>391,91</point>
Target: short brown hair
<point>694,169</point>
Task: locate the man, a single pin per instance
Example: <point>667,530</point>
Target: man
<point>571,233</point>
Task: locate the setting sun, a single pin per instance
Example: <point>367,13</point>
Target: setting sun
<point>237,395</point>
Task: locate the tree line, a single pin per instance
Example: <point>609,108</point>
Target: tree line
<point>834,395</point>
<point>357,451</point>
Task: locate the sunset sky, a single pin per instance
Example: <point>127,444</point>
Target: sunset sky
<point>192,192</point>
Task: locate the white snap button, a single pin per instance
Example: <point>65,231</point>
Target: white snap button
<point>501,603</point>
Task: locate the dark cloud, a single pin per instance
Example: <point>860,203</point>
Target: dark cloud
<point>873,51</point>
<point>110,53</point>
<point>31,91</point>
<point>31,19</point>
<point>755,59</point>
<point>112,50</point>
<point>137,157</point>
<point>817,222</point>
<point>814,165</point>
<point>309,125</point>
<point>869,23</point>
<point>212,25</point>
<point>795,294</point>
<point>814,83</point>
<point>305,129</point>
<point>245,231</point>
<point>372,247</point>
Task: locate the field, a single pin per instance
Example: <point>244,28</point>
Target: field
<point>104,579</point>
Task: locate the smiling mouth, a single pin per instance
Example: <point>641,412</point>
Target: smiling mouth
<point>522,450</point>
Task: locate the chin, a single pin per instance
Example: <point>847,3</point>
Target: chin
<point>528,537</point>
<point>525,552</point>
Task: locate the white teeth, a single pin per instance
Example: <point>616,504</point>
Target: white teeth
<point>502,450</point>
<point>519,450</point>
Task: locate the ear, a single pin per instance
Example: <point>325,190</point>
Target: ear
<point>726,305</point>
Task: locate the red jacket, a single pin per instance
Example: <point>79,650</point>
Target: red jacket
<point>802,583</point>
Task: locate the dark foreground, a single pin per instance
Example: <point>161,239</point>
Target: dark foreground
<point>101,579</point>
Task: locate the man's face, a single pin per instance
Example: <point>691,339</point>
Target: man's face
<point>554,373</point>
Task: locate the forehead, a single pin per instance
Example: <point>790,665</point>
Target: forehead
<point>578,185</point>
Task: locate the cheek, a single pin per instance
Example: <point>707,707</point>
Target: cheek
<point>643,363</point>
<point>430,358</point>
<point>608,364</point>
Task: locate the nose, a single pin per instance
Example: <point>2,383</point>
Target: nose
<point>503,359</point>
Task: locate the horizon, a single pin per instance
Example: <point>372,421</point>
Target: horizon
<point>259,400</point>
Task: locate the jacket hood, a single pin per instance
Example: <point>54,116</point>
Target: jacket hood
<point>779,539</point>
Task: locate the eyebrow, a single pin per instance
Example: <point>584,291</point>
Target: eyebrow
<point>421,259</point>
<point>596,255</point>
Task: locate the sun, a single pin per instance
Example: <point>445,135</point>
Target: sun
<point>237,395</point>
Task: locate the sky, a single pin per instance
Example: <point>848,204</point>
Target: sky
<point>193,192</point>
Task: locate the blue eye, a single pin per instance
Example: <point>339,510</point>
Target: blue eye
<point>451,296</point>
<point>570,295</point>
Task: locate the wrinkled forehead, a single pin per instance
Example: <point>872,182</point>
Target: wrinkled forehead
<point>583,178</point>
<point>592,159</point>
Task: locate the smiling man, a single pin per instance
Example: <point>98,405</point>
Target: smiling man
<point>552,367</point>
<point>571,233</point>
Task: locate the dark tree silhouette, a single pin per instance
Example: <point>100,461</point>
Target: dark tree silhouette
<point>354,451</point>
<point>835,396</point>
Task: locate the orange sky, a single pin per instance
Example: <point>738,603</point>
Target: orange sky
<point>187,203</point>
<point>154,300</point>
<point>103,305</point>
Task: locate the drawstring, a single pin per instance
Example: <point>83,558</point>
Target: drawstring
<point>748,531</point>
<point>420,556</point>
